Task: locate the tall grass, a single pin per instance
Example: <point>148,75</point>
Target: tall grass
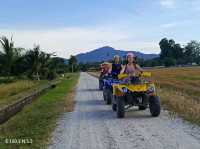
<point>10,92</point>
<point>181,104</point>
<point>37,120</point>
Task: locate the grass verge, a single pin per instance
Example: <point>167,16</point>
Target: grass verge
<point>11,92</point>
<point>36,121</point>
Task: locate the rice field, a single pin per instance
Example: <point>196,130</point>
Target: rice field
<point>179,91</point>
<point>185,80</point>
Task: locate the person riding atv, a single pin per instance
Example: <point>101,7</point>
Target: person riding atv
<point>116,67</point>
<point>131,68</point>
<point>105,69</point>
<point>134,90</point>
<point>111,79</point>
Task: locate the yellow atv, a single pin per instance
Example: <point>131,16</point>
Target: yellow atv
<point>136,91</point>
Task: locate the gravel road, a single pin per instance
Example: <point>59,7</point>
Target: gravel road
<point>93,125</point>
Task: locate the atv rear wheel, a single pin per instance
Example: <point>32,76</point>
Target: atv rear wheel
<point>154,105</point>
<point>120,107</point>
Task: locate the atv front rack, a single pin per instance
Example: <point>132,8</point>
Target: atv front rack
<point>121,89</point>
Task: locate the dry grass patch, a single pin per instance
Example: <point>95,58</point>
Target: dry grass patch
<point>181,103</point>
<point>11,92</point>
<point>70,102</point>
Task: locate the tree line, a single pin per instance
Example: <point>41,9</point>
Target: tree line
<point>36,64</point>
<point>173,53</point>
<point>31,63</point>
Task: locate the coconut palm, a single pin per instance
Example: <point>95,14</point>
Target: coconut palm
<point>33,60</point>
<point>38,62</point>
<point>72,62</point>
<point>7,54</point>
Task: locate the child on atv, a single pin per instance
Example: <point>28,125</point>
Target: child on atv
<point>116,66</point>
<point>105,68</point>
<point>131,68</point>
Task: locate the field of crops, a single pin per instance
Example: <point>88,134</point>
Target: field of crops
<point>186,80</point>
<point>179,90</point>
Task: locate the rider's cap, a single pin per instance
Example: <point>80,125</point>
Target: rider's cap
<point>130,54</point>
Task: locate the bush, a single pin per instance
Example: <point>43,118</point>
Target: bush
<point>168,61</point>
<point>51,75</point>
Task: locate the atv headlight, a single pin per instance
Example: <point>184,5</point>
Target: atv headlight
<point>151,88</point>
<point>124,90</point>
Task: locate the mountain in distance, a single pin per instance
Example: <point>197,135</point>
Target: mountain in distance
<point>106,53</point>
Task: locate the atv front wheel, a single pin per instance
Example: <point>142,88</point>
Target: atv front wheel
<point>104,94</point>
<point>120,107</point>
<point>100,85</point>
<point>107,96</point>
<point>114,107</point>
<point>154,105</point>
<point>142,107</point>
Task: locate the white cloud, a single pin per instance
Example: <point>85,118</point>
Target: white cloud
<point>169,25</point>
<point>167,3</point>
<point>71,40</point>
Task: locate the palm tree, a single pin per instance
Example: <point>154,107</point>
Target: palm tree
<point>8,54</point>
<point>38,62</point>
<point>32,59</point>
<point>72,62</point>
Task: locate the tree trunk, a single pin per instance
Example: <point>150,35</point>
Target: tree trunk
<point>38,77</point>
<point>72,68</point>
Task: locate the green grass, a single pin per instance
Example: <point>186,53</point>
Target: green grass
<point>37,120</point>
<point>10,92</point>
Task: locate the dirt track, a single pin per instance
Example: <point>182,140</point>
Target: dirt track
<point>93,125</point>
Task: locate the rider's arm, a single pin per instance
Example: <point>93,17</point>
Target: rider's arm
<point>123,69</point>
<point>110,69</point>
<point>139,68</point>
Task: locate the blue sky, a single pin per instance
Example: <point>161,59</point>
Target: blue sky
<point>74,26</point>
